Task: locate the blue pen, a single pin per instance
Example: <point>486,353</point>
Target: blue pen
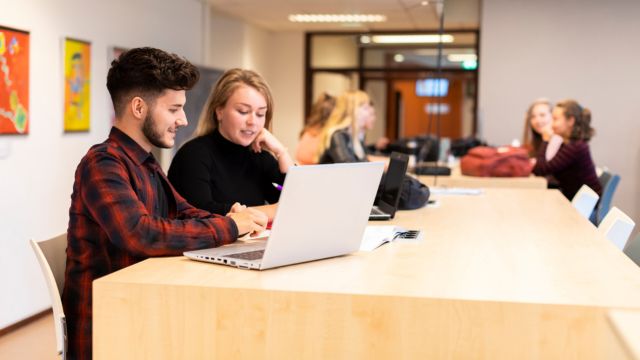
<point>277,186</point>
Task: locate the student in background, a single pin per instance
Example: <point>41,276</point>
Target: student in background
<point>309,143</point>
<point>123,209</point>
<point>572,165</point>
<point>537,126</point>
<point>342,138</point>
<point>234,161</point>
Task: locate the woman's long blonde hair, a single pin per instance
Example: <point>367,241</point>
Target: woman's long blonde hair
<point>531,140</point>
<point>344,116</point>
<point>220,94</point>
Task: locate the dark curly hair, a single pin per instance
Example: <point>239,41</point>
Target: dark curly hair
<point>582,129</point>
<point>147,72</point>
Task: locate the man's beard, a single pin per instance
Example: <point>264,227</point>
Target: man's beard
<point>150,132</point>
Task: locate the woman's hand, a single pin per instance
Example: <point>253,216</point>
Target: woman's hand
<point>266,141</point>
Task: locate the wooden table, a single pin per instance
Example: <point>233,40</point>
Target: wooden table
<point>503,275</point>
<point>456,179</point>
<point>625,327</point>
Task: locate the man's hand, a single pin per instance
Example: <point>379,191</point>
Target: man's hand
<point>236,207</point>
<point>249,221</point>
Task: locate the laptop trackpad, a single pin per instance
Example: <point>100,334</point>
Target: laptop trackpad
<point>240,246</point>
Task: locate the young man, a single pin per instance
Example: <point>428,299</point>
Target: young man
<point>123,209</point>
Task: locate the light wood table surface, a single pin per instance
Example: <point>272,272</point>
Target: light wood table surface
<point>456,179</point>
<point>625,326</point>
<point>503,275</point>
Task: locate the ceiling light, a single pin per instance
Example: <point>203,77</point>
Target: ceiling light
<point>424,3</point>
<point>365,39</point>
<point>411,39</point>
<point>337,18</point>
<point>462,57</point>
<point>398,58</point>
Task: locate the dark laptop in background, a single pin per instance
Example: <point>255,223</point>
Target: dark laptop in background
<point>391,189</point>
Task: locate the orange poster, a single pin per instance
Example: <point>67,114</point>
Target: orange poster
<point>14,81</point>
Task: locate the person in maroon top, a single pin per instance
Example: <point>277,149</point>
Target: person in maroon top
<point>572,165</point>
<point>123,208</point>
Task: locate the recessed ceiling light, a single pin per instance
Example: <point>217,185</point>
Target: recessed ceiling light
<point>462,57</point>
<point>365,39</point>
<point>398,58</point>
<point>424,3</point>
<point>411,39</point>
<point>337,18</point>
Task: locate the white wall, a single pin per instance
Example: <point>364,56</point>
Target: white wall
<point>286,78</point>
<point>566,48</point>
<point>36,170</point>
<point>277,56</point>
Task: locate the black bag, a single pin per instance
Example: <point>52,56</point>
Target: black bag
<point>414,194</point>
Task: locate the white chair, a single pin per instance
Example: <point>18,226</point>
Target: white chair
<point>632,250</point>
<point>51,255</point>
<point>617,227</point>
<point>585,201</point>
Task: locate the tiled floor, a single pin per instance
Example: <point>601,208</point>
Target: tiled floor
<point>36,340</point>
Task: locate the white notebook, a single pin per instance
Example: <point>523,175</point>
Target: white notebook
<point>378,235</point>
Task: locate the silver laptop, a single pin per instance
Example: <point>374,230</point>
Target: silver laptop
<point>322,212</point>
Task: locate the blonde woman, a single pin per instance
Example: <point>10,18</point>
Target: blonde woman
<point>234,161</point>
<point>343,135</point>
<point>537,126</point>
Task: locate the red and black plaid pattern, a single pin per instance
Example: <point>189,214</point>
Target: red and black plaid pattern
<point>114,222</point>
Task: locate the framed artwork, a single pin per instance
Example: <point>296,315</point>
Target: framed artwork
<point>77,84</point>
<point>14,81</point>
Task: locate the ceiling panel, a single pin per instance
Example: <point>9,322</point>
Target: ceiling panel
<point>401,14</point>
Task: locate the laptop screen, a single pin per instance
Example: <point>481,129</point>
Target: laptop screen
<point>393,182</point>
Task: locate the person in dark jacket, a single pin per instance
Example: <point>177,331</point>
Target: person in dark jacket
<point>342,139</point>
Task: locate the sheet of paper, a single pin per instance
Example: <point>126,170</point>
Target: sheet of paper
<point>376,235</point>
<point>455,191</point>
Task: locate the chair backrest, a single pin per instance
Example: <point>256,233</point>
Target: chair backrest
<point>617,227</point>
<point>51,255</point>
<point>632,250</point>
<point>585,200</point>
<point>609,186</point>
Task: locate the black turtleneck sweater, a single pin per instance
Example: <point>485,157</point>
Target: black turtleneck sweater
<point>212,173</point>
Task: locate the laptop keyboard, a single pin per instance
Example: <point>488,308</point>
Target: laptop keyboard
<point>249,255</point>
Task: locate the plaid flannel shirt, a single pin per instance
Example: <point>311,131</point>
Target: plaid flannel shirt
<point>114,222</point>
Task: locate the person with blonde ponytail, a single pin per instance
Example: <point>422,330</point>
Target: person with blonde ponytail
<point>343,135</point>
<point>572,165</point>
<point>234,160</point>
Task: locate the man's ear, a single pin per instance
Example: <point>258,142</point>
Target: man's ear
<point>139,107</point>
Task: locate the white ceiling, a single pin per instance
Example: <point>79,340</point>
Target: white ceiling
<point>401,14</point>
